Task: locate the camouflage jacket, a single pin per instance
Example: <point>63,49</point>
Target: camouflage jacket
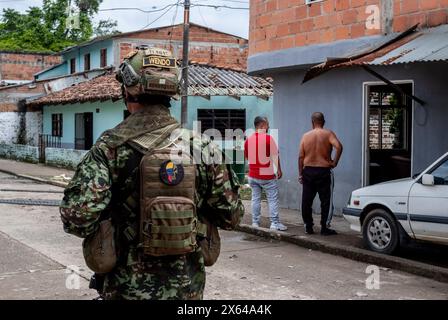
<point>104,173</point>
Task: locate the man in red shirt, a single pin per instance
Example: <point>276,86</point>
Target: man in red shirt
<point>262,153</point>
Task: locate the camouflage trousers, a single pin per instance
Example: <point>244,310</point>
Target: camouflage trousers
<point>165,278</point>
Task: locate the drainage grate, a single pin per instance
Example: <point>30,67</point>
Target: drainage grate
<point>29,202</point>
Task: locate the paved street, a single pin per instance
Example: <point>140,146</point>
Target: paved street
<point>37,251</point>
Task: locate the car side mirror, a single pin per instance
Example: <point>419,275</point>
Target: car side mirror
<point>428,180</point>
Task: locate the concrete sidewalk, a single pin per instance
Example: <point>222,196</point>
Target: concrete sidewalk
<point>37,172</point>
<point>347,243</point>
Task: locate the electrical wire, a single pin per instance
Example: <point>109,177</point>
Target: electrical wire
<point>200,13</point>
<point>219,6</point>
<point>138,9</point>
<point>168,9</point>
<point>173,21</point>
<point>233,1</point>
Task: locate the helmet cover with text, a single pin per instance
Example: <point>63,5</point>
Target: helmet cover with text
<point>150,71</point>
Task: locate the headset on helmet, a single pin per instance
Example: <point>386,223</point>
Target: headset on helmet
<point>151,71</point>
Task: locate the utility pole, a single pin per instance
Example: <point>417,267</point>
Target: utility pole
<point>184,109</point>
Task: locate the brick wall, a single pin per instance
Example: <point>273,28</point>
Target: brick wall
<point>19,152</point>
<point>283,24</point>
<point>429,13</point>
<point>206,46</point>
<point>22,66</point>
<point>66,158</point>
<point>11,95</point>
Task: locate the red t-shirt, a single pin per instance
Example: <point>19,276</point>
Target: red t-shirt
<point>259,149</point>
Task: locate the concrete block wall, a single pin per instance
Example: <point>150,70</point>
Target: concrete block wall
<point>283,24</point>
<point>19,152</point>
<point>66,158</point>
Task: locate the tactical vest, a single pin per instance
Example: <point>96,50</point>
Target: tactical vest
<point>169,223</point>
<point>168,219</point>
<point>164,200</point>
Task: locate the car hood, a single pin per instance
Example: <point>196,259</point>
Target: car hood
<point>388,189</point>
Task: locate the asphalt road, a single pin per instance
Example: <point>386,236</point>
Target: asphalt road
<point>36,252</point>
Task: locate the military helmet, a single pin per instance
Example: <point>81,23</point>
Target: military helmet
<point>150,71</point>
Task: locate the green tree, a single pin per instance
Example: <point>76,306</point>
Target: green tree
<point>105,28</point>
<point>44,29</point>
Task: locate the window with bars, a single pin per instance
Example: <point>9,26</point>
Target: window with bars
<point>388,118</point>
<point>87,62</point>
<point>56,125</point>
<point>72,66</point>
<point>103,58</point>
<point>222,119</point>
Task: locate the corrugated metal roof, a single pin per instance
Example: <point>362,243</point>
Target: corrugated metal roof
<point>429,45</point>
<point>213,81</point>
<point>204,81</point>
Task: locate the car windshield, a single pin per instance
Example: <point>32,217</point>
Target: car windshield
<point>441,171</point>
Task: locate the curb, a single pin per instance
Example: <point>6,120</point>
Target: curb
<point>353,253</point>
<point>55,183</point>
<point>357,254</point>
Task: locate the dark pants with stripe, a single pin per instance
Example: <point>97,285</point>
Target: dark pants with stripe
<point>317,180</point>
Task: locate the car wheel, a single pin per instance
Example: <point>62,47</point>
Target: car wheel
<point>380,232</point>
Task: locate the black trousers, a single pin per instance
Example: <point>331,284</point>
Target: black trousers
<point>317,180</point>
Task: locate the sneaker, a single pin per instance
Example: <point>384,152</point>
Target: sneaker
<point>256,225</point>
<point>309,230</point>
<point>279,226</point>
<point>328,232</point>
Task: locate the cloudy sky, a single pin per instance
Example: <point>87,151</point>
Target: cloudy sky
<point>234,21</point>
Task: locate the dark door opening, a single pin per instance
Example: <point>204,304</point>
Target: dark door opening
<point>83,131</point>
<point>389,133</point>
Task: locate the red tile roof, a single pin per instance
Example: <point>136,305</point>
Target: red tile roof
<point>204,80</point>
<point>101,88</point>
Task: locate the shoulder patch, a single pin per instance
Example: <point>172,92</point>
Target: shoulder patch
<point>170,173</point>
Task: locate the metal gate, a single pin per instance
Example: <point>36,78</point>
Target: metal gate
<point>47,141</point>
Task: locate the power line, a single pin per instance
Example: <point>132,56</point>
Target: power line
<point>173,21</point>
<point>216,6</point>
<point>168,9</point>
<point>234,1</point>
<point>138,9</point>
<point>200,13</point>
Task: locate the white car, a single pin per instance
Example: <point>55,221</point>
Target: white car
<point>390,212</point>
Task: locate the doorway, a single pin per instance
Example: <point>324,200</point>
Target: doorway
<point>83,130</point>
<point>388,133</point>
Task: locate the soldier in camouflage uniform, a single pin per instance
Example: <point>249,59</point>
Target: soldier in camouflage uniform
<point>107,182</point>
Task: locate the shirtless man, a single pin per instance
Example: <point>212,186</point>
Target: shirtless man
<point>315,172</point>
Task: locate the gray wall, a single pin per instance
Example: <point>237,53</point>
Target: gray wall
<point>19,152</point>
<point>339,95</point>
<point>65,158</point>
